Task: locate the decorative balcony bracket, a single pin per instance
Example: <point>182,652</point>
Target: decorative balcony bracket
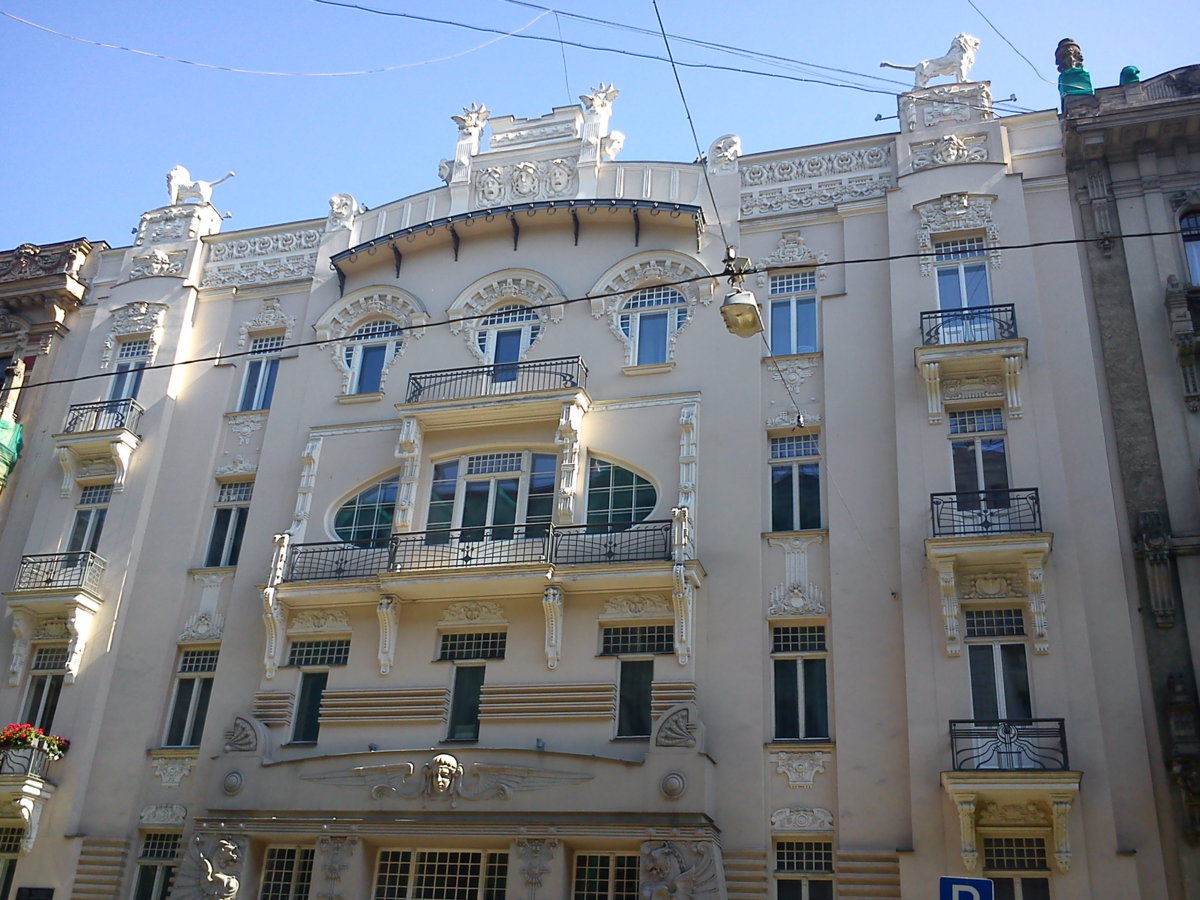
<point>986,805</point>
<point>552,608</point>
<point>388,625</point>
<point>274,617</point>
<point>938,391</point>
<point>74,625</point>
<point>111,465</point>
<point>567,437</point>
<point>950,606</point>
<point>28,795</point>
<point>408,451</point>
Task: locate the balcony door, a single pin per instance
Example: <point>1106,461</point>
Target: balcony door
<point>506,351</point>
<point>504,336</point>
<point>980,460</point>
<point>1000,694</point>
<point>491,497</point>
<point>964,293</point>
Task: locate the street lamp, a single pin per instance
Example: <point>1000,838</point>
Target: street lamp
<point>740,309</point>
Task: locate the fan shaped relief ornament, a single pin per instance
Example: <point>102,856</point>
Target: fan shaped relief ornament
<point>141,317</point>
<point>953,213</point>
<point>813,818</point>
<point>270,317</point>
<point>679,726</point>
<point>522,287</point>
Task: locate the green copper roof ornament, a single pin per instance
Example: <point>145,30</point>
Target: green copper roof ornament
<point>1073,78</point>
<point>1131,75</point>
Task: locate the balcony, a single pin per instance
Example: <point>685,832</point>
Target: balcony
<point>1009,745</point>
<point>1018,766</point>
<point>99,440</point>
<point>79,571</point>
<point>971,354</point>
<point>960,514</point>
<point>506,393</point>
<point>24,788</point>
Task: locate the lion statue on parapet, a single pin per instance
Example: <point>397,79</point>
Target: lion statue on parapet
<point>957,62</point>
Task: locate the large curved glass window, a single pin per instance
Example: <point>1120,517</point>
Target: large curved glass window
<point>649,318</point>
<point>616,495</point>
<point>369,351</point>
<point>365,520</point>
<point>490,496</point>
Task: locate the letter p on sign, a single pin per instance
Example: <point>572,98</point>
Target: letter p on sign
<point>952,887</point>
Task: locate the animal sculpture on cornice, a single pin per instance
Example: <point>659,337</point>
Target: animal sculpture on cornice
<point>957,62</point>
<point>181,187</point>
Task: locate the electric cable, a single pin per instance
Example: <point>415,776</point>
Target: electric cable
<point>1010,43</point>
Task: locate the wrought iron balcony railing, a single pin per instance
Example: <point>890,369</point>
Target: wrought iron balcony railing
<point>965,513</point>
<point>30,761</point>
<point>501,379</point>
<point>968,326</point>
<point>1009,745</point>
<point>489,545</point>
<point>78,569</point>
<point>84,417</point>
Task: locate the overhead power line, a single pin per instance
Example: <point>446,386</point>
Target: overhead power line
<point>566,301</point>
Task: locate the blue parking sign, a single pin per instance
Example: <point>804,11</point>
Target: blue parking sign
<point>952,887</point>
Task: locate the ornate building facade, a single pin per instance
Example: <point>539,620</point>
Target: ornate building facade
<point>454,548</point>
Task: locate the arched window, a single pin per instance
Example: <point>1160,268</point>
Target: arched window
<point>650,318</point>
<point>504,335</point>
<point>368,351</point>
<point>365,520</point>
<point>1189,224</point>
<point>616,495</point>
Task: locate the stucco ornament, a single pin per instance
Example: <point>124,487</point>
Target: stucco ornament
<point>950,150</point>
<point>157,263</point>
<point>956,62</point>
<point>680,870</point>
<point>723,155</point>
<point>342,210</point>
<point>474,612</point>
<point>444,779</point>
<point>211,869</point>
<point>181,187</point>
<point>162,814</point>
<point>956,212</point>
<point>800,767</point>
<point>802,819</point>
<point>140,317</point>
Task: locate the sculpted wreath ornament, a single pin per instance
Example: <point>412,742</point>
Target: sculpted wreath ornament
<point>21,736</point>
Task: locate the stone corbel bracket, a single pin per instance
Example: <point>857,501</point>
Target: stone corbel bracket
<point>408,451</point>
<point>552,608</point>
<point>683,600</point>
<point>386,609</point>
<point>567,438</point>
<point>274,617</point>
<point>78,470</point>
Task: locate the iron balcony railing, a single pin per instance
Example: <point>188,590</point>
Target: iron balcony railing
<point>1009,744</point>
<point>31,761</point>
<point>84,417</point>
<point>965,513</point>
<point>969,325</point>
<point>500,379</point>
<point>78,569</point>
<point>490,545</point>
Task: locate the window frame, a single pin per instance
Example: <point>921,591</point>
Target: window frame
<point>313,682</point>
<point>610,513</point>
<point>645,306</point>
<point>1189,227</point>
<point>466,691</point>
<point>958,255</point>
<point>807,705</point>
<point>366,337</point>
<point>802,476</point>
<point>507,318</point>
<point>195,703</point>
<point>229,524</point>
<point>43,688</point>
<point>129,367</point>
<point>807,295</point>
<point>362,522</point>
<point>87,526</point>
<point>462,477</point>
<point>971,455</point>
<point>616,873</point>
<point>159,870</point>
<point>808,877</point>
<point>635,701</point>
<point>261,372</point>
<point>298,872</point>
<point>492,872</point>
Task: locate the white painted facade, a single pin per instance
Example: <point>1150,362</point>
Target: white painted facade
<point>791,630</point>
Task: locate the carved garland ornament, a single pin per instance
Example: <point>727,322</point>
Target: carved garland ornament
<point>519,286</point>
<point>270,318</point>
<point>474,612</point>
<point>952,213</point>
<point>624,280</point>
<point>792,250</point>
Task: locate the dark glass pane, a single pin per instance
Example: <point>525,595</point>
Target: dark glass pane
<point>504,508</point>
<point>984,704</point>
<point>782,518</point>
<point>54,685</point>
<point>781,327</point>
<point>179,712</point>
<point>240,515</point>
<point>476,497</point>
<point>250,387</point>
<point>806,326</point>
<point>975,276</point>
<point>787,700</point>
<point>1004,888</point>
<point>370,368</point>
<point>507,352</point>
<point>312,685</point>
<point>1016,682</point>
<point>270,371</point>
<point>1035,889</point>
<point>98,517</point>
<point>652,339</point>
<point>995,472</point>
<point>464,705</point>
<point>816,699</point>
<point>820,890</point>
<point>809,482</point>
<point>216,544</point>
<point>197,729</point>
<point>79,531</point>
<point>633,714</point>
<point>966,473</point>
<point>789,890</point>
<point>145,883</point>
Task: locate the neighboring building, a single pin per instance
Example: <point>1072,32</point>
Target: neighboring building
<point>579,595</point>
<point>1133,159</point>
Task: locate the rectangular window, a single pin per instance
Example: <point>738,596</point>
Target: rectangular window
<point>634,698</point>
<point>459,645</point>
<point>795,483</point>
<point>985,623</point>
<point>10,848</point>
<point>287,873</point>
<point>979,458</point>
<point>307,725</point>
<point>652,338</point>
<point>618,639</point>
<point>1015,854</point>
<point>229,523</point>
<point>794,858</point>
<point>156,866</point>
<point>793,313</point>
<point>999,681</point>
<point>193,687</point>
<point>90,514</point>
<point>801,692</point>
<point>319,653</point>
<point>45,684</point>
<point>132,358</point>
<point>440,875</point>
<point>262,367</point>
<point>605,876</point>
<point>464,703</point>
<point>962,277</point>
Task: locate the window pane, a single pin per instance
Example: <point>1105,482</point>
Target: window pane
<point>506,354</point>
<point>966,472</point>
<point>1035,889</point>
<point>782,518</point>
<point>789,890</point>
<point>816,699</point>
<point>1016,682</point>
<point>949,288</point>
<point>806,325</point>
<point>983,682</point>
<point>781,327</point>
<point>995,467</point>
<point>197,729</point>
<point>464,705</point>
<point>179,713</point>
<point>820,890</point>
<point>239,529</point>
<point>975,276</point>
<point>652,339</point>
<point>787,700</point>
<point>216,544</point>
<point>370,368</point>
<point>633,713</point>
<point>312,685</point>
<point>809,483</point>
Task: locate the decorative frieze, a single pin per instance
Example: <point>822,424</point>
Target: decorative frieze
<point>802,819</point>
<point>270,317</point>
<point>949,150</point>
<point>169,814</point>
<point>260,271</point>
<point>32,261</point>
<point>797,596</point>
<point>524,181</point>
<point>794,372</point>
<point>319,621</point>
<point>816,181</point>
<point>956,103</point>
<point>281,243</point>
<point>800,767</point>
<point>636,606</point>
<point>158,263</point>
<point>171,224</point>
<point>473,612</point>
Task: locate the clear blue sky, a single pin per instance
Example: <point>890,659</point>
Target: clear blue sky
<point>90,132</point>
